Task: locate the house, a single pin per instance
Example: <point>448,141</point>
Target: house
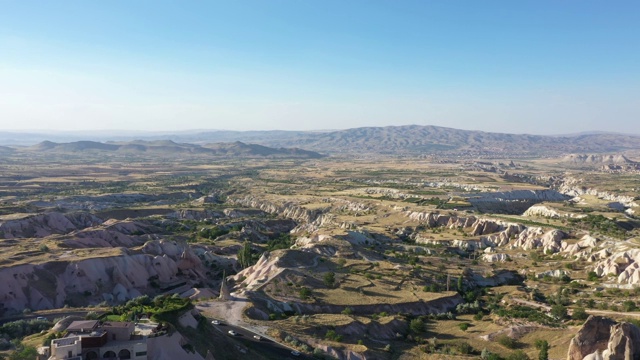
<point>69,348</point>
<point>88,340</point>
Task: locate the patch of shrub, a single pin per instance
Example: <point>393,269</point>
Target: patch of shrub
<point>507,342</point>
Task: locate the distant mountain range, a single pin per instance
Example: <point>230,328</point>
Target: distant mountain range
<point>390,140</point>
<point>414,139</point>
<point>168,147</point>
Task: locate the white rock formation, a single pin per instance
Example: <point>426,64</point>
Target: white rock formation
<point>552,273</point>
<point>495,257</point>
<point>625,265</point>
<point>582,249</point>
<point>46,224</point>
<point>120,278</point>
<point>536,238</point>
<point>260,273</point>
<point>541,210</point>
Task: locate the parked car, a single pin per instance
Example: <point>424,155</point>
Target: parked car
<point>232,333</point>
<point>257,337</point>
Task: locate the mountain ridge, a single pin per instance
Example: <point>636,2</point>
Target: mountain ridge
<point>389,140</point>
<point>168,147</point>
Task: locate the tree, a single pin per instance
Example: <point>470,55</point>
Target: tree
<point>416,325</point>
<point>329,279</point>
<point>518,355</point>
<point>305,292</point>
<point>332,335</point>
<point>579,314</point>
<point>559,311</point>
<point>484,355</point>
<point>629,305</point>
<point>24,353</point>
<point>463,347</point>
<point>543,346</point>
<point>244,255</point>
<point>506,341</point>
<point>460,283</point>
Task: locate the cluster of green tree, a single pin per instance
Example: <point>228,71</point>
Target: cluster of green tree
<point>531,314</point>
<point>21,352</point>
<point>282,241</point>
<point>214,232</point>
<point>598,223</point>
<point>159,308</point>
<point>247,256</point>
<point>21,328</point>
<point>333,336</point>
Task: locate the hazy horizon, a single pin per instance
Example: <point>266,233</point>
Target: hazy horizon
<point>135,132</point>
<point>527,67</point>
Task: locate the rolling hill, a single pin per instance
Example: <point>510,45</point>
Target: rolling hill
<point>407,140</point>
<point>169,148</point>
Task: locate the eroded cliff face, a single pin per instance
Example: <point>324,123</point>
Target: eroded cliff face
<point>43,225</point>
<point>603,338</point>
<point>571,187</point>
<point>286,210</point>
<point>513,202</point>
<point>111,233</point>
<point>187,214</point>
<point>113,278</point>
<point>309,219</point>
<point>492,233</point>
<point>624,264</point>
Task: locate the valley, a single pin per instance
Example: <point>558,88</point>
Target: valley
<point>371,256</point>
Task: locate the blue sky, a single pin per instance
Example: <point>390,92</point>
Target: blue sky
<point>542,67</point>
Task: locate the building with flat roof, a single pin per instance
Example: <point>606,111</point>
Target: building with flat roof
<point>90,340</point>
<point>68,348</point>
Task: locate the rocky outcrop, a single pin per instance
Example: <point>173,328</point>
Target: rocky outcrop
<point>113,278</point>
<point>255,276</point>
<point>603,338</point>
<point>624,342</point>
<point>495,257</point>
<point>287,210</point>
<point>186,258</point>
<point>492,233</point>
<point>591,338</point>
<point>552,273</point>
<point>537,238</point>
<point>583,249</point>
<point>497,232</point>
<point>625,265</point>
<point>112,233</point>
<point>43,225</point>
<point>544,211</point>
<point>513,202</point>
<point>598,159</point>
<point>199,215</point>
<point>377,330</point>
<point>343,353</point>
<point>571,187</point>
